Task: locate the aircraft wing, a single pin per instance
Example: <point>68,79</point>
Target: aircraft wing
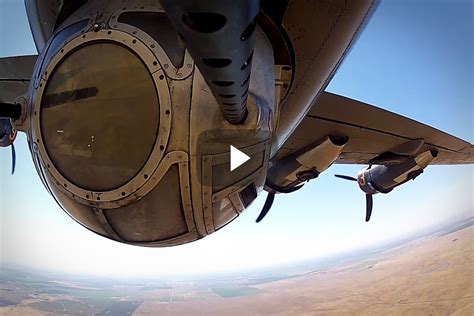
<point>375,135</point>
<point>15,75</point>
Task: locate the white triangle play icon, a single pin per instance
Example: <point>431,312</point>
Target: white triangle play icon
<point>237,158</point>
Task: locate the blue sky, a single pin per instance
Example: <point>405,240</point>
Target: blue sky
<point>414,58</point>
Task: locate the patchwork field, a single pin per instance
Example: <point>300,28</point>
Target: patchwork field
<point>433,274</point>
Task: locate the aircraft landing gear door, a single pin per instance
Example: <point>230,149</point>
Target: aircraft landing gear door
<point>225,193</point>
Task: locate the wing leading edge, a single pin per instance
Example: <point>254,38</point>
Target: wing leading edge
<point>374,134</point>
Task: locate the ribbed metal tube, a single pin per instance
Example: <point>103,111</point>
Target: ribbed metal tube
<point>220,36</point>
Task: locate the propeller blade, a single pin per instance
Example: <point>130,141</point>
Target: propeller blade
<point>13,158</point>
<point>368,207</point>
<point>266,206</point>
<point>345,177</point>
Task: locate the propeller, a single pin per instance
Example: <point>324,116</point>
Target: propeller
<point>267,206</point>
<point>345,177</point>
<point>369,202</point>
<point>13,158</point>
<point>271,197</point>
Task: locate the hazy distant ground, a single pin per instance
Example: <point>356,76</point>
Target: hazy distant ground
<point>433,274</point>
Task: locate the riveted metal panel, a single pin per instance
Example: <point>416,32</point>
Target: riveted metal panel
<point>131,190</point>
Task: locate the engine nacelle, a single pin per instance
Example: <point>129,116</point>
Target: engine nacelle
<point>127,136</point>
<point>383,178</point>
<point>307,163</point>
<point>7,133</point>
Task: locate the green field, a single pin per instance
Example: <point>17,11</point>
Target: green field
<point>235,290</point>
<point>63,307</point>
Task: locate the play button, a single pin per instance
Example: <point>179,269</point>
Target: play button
<point>237,158</point>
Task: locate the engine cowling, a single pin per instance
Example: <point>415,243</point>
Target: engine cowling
<point>305,164</point>
<point>383,178</point>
